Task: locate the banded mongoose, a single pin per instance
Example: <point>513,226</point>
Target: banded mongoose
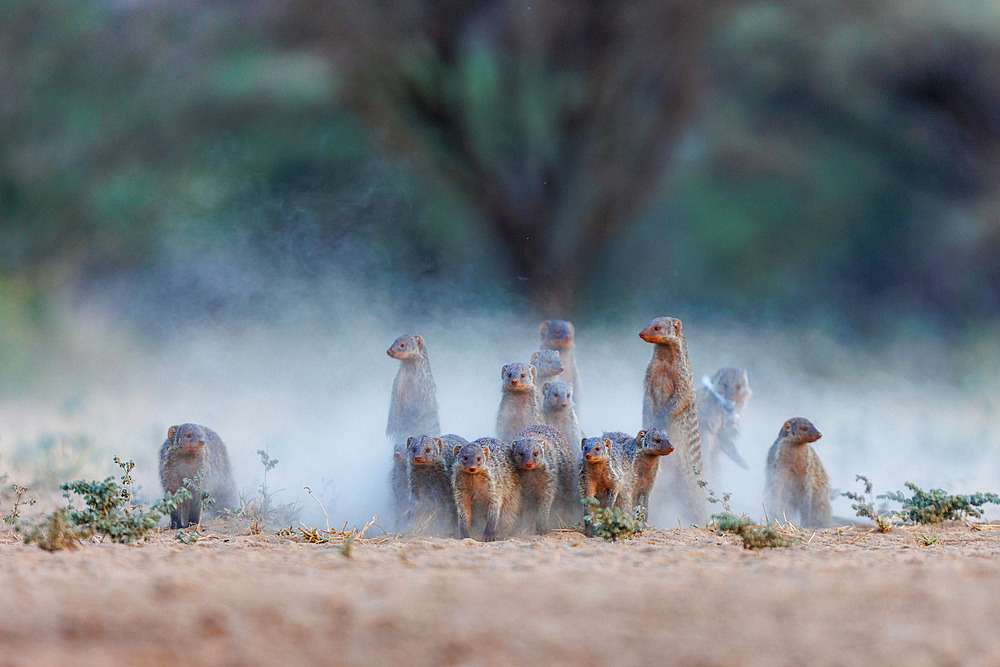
<point>399,486</point>
<point>558,410</point>
<point>606,474</point>
<point>644,451</point>
<point>547,364</point>
<point>795,480</point>
<point>413,409</point>
<point>486,488</point>
<point>194,452</point>
<point>428,473</point>
<point>544,463</point>
<point>520,405</point>
<point>721,400</point>
<point>561,335</point>
<point>669,404</point>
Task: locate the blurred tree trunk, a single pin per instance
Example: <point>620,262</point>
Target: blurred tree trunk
<point>554,120</point>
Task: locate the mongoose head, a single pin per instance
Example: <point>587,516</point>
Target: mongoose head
<point>663,331</point>
<point>557,395</point>
<point>547,362</point>
<point>407,346</point>
<point>518,377</point>
<point>187,440</point>
<point>557,334</point>
<point>399,453</point>
<point>731,383</point>
<point>595,450</point>
<point>654,441</point>
<point>424,450</point>
<point>800,431</point>
<point>528,453</point>
<point>472,458</point>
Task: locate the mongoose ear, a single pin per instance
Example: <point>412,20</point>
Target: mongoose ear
<point>545,387</point>
<point>486,452</point>
<point>677,326</point>
<point>171,432</point>
<point>440,444</point>
<point>458,448</point>
<point>420,342</point>
<point>583,444</point>
<point>533,372</point>
<point>408,441</point>
<point>607,443</point>
<point>545,327</point>
<point>503,371</point>
<point>641,435</point>
<point>534,357</point>
<point>572,329</point>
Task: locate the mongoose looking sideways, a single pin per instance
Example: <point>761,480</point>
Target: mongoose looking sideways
<point>520,405</point>
<point>606,474</point>
<point>795,480</point>
<point>644,451</point>
<point>560,335</point>
<point>544,463</point>
<point>413,409</point>
<point>547,364</point>
<point>669,404</point>
<point>428,471</point>
<point>196,453</point>
<point>486,488</point>
<point>721,400</point>
<point>557,407</point>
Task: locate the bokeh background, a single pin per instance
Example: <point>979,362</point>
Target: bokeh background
<point>224,212</point>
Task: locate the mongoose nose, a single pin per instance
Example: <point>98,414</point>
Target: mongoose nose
<point>201,442</point>
<point>418,459</point>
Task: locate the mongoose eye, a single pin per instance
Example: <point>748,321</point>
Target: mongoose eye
<point>656,328</point>
<point>522,374</point>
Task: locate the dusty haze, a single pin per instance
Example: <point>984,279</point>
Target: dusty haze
<point>311,382</point>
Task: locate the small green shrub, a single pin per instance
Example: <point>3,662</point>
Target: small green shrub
<point>865,506</point>
<point>261,509</point>
<point>108,512</point>
<point>754,535</point>
<point>612,524</point>
<point>935,506</point>
<point>11,517</point>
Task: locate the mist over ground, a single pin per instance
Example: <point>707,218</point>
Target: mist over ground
<point>309,381</point>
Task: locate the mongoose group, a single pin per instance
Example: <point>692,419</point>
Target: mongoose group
<point>528,476</point>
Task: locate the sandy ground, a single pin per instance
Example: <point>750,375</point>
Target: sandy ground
<point>690,596</point>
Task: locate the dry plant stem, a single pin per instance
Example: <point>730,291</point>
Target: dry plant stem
<point>867,532</point>
<point>326,516</point>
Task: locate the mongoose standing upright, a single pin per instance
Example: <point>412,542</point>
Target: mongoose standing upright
<point>547,364</point>
<point>795,479</point>
<point>560,335</point>
<point>669,404</point>
<point>544,463</point>
<point>414,408</point>
<point>399,486</point>
<point>606,474</point>
<point>721,400</point>
<point>428,471</point>
<point>644,451</point>
<point>557,407</point>
<point>196,453</point>
<point>486,488</point>
<point>520,405</point>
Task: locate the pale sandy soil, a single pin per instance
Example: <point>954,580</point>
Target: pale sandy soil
<point>687,596</point>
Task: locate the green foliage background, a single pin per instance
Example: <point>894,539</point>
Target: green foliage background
<point>833,162</point>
